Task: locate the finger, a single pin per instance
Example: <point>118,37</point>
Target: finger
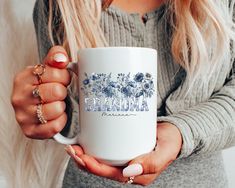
<point>145,179</point>
<point>152,163</point>
<point>90,164</point>
<point>49,92</point>
<point>51,75</point>
<point>100,169</point>
<point>74,152</point>
<point>57,57</point>
<point>47,130</point>
<point>78,150</point>
<point>50,112</point>
<point>144,164</point>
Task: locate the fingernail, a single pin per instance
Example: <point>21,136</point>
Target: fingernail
<point>79,161</point>
<point>132,170</point>
<point>60,58</point>
<point>70,150</point>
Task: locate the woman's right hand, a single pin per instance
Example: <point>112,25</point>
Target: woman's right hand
<point>53,91</point>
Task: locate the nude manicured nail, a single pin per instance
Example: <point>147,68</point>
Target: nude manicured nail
<point>79,161</point>
<point>60,58</point>
<point>70,150</point>
<point>132,170</point>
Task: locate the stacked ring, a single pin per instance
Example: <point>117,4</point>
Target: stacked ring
<point>38,71</point>
<point>36,94</point>
<point>130,180</point>
<point>40,114</point>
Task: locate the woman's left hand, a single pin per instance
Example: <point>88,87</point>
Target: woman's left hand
<point>145,168</point>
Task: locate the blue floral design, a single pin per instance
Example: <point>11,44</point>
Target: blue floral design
<point>86,81</point>
<point>139,77</point>
<point>125,85</point>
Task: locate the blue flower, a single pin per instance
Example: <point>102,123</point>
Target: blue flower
<point>139,94</point>
<point>132,84</point>
<point>126,91</point>
<point>139,77</point>
<point>108,91</point>
<point>86,81</point>
<point>148,75</point>
<point>94,77</point>
<point>146,86</point>
<point>113,84</point>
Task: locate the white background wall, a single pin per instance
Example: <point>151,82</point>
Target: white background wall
<point>23,9</point>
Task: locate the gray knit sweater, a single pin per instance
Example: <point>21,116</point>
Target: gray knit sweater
<point>205,117</point>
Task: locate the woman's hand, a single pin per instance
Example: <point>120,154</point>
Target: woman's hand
<point>52,91</point>
<point>145,168</point>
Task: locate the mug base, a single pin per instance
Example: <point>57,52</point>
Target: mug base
<point>114,162</point>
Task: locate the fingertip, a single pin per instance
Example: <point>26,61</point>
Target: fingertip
<point>59,60</point>
<point>133,170</point>
<point>57,57</point>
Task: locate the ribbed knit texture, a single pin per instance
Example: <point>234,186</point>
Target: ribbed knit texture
<point>205,117</point>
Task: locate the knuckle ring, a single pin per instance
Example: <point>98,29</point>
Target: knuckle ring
<point>38,71</point>
<point>36,94</point>
<point>130,180</point>
<point>40,114</point>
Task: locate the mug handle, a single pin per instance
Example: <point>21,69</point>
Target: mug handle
<point>59,137</point>
<point>64,140</point>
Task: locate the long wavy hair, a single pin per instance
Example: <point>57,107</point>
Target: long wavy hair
<point>201,30</point>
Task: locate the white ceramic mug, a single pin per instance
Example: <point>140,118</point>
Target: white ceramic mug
<point>117,103</point>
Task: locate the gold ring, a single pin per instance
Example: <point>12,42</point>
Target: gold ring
<point>130,180</point>
<point>40,114</point>
<point>36,94</point>
<point>38,71</point>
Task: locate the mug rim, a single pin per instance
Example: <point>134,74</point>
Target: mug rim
<point>117,48</point>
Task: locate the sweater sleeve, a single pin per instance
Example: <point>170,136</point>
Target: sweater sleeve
<point>40,18</point>
<point>208,126</point>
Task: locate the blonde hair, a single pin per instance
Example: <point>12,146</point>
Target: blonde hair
<point>202,30</point>
<point>80,23</point>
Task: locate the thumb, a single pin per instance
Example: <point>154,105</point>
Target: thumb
<point>57,57</point>
<point>144,164</point>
